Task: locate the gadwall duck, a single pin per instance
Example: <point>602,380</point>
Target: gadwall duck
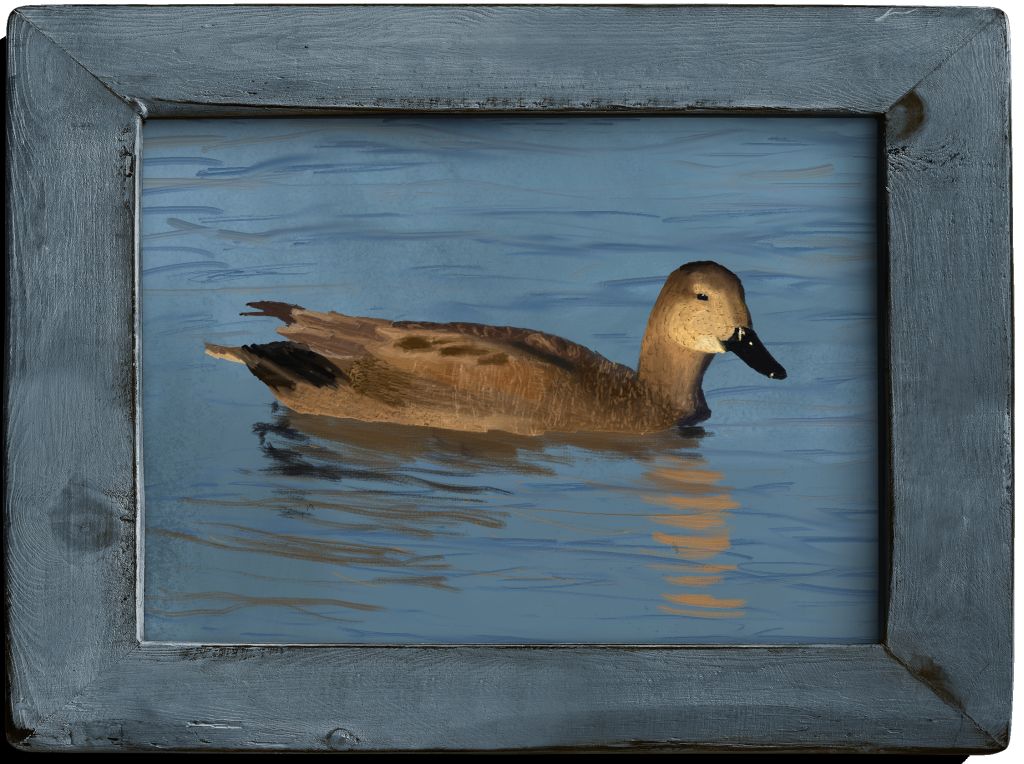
<point>475,377</point>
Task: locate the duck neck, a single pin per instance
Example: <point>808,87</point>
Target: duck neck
<point>674,373</point>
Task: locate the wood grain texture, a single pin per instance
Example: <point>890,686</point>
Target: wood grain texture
<point>220,60</point>
<point>952,384</point>
<point>79,678</point>
<point>70,495</point>
<point>852,698</point>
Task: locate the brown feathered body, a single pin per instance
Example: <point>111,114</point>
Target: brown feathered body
<point>461,376</point>
<point>476,378</point>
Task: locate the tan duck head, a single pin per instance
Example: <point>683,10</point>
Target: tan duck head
<point>476,377</point>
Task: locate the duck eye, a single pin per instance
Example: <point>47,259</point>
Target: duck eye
<point>702,296</point>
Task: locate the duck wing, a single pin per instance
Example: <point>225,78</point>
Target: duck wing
<point>522,373</point>
<point>423,343</point>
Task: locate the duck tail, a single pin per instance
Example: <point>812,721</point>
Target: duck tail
<point>283,365</point>
<point>282,310</point>
<point>224,352</point>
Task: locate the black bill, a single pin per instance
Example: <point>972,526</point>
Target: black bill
<point>745,343</point>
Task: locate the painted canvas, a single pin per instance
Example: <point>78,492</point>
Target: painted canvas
<point>517,380</point>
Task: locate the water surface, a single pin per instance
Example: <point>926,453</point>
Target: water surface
<point>262,525</point>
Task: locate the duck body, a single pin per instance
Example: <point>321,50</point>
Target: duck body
<point>477,377</point>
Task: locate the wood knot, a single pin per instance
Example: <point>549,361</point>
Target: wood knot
<point>82,519</point>
<point>905,117</point>
<point>340,739</point>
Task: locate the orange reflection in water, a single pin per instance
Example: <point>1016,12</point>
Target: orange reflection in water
<point>697,530</point>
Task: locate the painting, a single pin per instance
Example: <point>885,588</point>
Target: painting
<point>510,380</point>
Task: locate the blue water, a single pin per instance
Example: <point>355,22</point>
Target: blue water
<point>262,525</point>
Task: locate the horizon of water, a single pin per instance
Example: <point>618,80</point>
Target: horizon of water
<point>262,525</point>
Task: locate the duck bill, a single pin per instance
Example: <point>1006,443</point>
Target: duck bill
<point>745,343</point>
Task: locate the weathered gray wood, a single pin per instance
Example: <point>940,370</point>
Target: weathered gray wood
<point>951,344</point>
<point>79,677</point>
<point>852,698</point>
<point>70,494</point>
<point>234,59</point>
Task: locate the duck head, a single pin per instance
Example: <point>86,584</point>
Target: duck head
<point>700,312</point>
<point>705,310</point>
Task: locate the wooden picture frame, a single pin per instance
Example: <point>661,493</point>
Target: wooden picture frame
<point>82,80</point>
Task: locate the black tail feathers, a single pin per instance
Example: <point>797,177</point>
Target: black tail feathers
<point>283,365</point>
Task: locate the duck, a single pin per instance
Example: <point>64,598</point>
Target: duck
<point>478,378</point>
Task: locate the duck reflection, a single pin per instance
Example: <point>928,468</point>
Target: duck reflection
<point>375,503</point>
<point>697,530</point>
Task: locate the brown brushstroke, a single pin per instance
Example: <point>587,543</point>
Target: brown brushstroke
<point>497,359</point>
<point>701,613</point>
<point>704,600</point>
<point>693,580</point>
<point>713,503</point>
<point>279,310</point>
<point>414,343</point>
<point>703,521</point>
<point>458,350</point>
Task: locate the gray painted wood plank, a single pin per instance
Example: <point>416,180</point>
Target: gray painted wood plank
<point>952,350</point>
<point>851,698</point>
<point>70,495</point>
<point>508,57</point>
